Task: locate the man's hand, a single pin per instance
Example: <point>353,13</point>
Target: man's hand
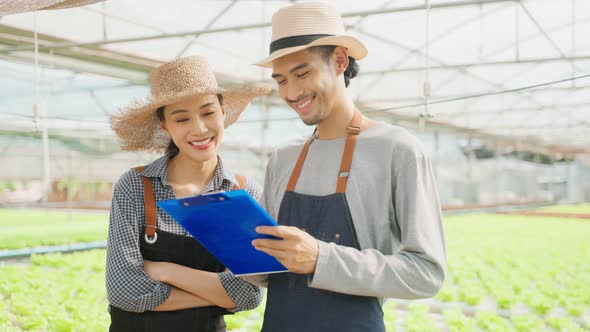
<point>297,251</point>
<point>158,271</point>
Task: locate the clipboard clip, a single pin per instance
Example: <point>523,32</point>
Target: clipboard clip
<point>186,202</point>
<point>212,193</point>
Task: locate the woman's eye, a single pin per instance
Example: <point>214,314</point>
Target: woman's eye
<point>303,75</point>
<point>209,113</point>
<point>181,120</point>
<point>281,82</point>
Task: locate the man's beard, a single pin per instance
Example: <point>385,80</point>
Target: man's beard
<point>316,119</point>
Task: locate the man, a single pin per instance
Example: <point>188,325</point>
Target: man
<point>357,204</point>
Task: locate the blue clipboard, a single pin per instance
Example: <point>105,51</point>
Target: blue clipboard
<point>224,223</point>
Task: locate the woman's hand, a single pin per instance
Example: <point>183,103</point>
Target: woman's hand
<point>159,271</point>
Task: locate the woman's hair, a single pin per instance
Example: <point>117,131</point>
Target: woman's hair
<point>172,149</point>
<point>351,71</point>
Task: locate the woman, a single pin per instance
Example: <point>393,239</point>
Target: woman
<point>158,277</point>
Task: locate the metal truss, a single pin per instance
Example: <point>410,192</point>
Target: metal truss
<point>382,11</point>
<point>88,57</point>
<point>479,64</point>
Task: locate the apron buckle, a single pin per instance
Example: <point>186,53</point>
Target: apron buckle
<point>354,130</point>
<point>151,240</point>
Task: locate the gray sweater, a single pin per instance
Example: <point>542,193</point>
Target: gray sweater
<point>395,208</point>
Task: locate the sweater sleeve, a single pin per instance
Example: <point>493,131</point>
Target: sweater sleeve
<point>415,271</point>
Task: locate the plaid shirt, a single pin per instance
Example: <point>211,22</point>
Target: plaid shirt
<point>128,286</point>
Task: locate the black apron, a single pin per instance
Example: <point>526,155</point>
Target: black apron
<point>183,250</point>
<point>291,304</point>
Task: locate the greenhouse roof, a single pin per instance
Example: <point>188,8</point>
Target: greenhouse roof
<point>514,73</point>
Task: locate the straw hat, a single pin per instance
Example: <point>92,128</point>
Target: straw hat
<point>308,24</point>
<point>8,7</point>
<point>138,126</point>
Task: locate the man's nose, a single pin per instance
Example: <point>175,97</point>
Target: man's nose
<point>294,93</point>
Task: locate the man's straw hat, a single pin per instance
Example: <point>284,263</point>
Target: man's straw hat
<point>308,24</point>
<point>138,126</point>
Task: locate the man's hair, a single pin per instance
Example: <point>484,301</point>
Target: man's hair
<point>172,149</point>
<point>326,52</point>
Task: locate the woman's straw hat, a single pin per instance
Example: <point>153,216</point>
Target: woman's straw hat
<point>308,24</point>
<point>138,126</point>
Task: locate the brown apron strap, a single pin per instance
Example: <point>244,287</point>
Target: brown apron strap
<point>299,165</point>
<point>149,203</point>
<point>353,130</point>
<point>241,182</point>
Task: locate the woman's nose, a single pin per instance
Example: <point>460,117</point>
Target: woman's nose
<point>199,127</point>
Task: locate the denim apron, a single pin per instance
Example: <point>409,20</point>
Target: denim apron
<point>291,304</point>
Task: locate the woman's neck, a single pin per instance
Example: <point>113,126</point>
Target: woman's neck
<point>190,176</point>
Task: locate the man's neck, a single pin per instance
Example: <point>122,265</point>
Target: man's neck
<point>334,126</point>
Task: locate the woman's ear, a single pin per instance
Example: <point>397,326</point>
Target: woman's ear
<point>340,58</point>
<point>163,127</point>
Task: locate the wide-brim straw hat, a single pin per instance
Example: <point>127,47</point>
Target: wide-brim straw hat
<point>8,7</point>
<point>138,126</point>
<point>308,24</point>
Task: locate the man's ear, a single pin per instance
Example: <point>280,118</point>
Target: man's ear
<point>340,58</point>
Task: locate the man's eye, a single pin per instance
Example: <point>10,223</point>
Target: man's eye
<point>182,120</point>
<point>209,113</point>
<point>281,82</point>
<point>303,75</point>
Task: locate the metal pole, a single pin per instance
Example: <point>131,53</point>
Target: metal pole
<point>38,110</point>
<point>516,32</point>
<point>69,187</point>
<point>498,156</point>
<point>264,103</point>
<point>104,22</point>
<point>46,165</point>
<point>573,52</point>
